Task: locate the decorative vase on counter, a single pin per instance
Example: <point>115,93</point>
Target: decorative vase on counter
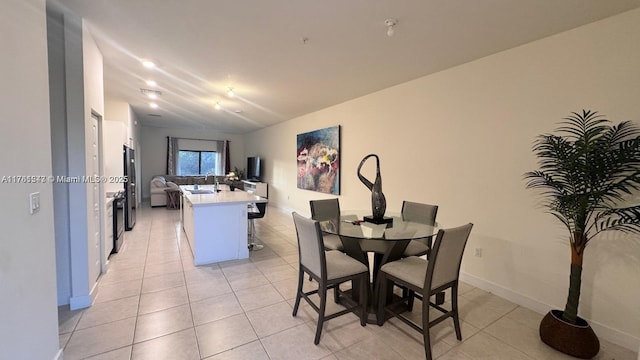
<point>378,201</point>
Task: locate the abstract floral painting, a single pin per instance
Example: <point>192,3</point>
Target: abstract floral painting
<point>318,156</point>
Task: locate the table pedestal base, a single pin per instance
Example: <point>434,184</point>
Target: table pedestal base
<point>346,298</point>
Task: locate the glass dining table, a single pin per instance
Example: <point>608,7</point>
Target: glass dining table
<point>386,242</point>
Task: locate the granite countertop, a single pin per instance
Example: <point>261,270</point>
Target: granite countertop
<point>221,197</point>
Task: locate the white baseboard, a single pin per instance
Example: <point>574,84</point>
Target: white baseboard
<point>59,355</point>
<point>289,210</point>
<point>605,332</point>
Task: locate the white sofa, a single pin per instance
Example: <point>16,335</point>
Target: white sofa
<point>157,188</point>
<point>160,183</point>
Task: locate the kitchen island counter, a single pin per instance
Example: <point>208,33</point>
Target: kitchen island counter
<point>216,223</point>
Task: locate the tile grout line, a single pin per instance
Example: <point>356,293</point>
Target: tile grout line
<point>178,234</point>
<point>135,325</point>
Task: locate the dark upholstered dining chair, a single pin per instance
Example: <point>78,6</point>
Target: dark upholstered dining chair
<point>326,210</point>
<point>424,214</point>
<point>428,278</point>
<point>329,269</point>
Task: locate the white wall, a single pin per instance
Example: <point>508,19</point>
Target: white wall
<point>68,154</point>
<point>59,144</point>
<point>116,135</point>
<point>112,140</point>
<point>29,327</point>
<point>462,139</point>
<point>153,142</point>
<point>120,111</point>
<point>121,129</point>
<point>77,90</point>
<point>93,103</point>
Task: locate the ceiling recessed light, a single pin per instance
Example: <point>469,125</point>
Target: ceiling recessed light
<point>230,92</point>
<point>148,64</point>
<point>391,24</point>
<point>153,105</point>
<point>152,94</point>
<point>152,83</point>
<point>217,106</point>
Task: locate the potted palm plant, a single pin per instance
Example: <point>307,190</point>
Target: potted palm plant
<point>585,174</point>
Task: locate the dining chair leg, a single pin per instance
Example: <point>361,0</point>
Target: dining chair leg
<point>411,296</point>
<point>323,304</point>
<point>299,292</point>
<point>425,326</point>
<point>454,308</point>
<point>336,293</point>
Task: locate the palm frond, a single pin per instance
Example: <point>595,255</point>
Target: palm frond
<point>586,170</point>
<point>624,219</point>
<point>583,126</point>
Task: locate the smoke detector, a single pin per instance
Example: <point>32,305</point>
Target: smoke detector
<point>390,24</point>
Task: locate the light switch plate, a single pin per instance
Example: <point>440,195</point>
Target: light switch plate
<point>34,203</point>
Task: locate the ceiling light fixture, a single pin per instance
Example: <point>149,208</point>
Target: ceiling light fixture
<point>390,23</point>
<point>152,94</point>
<point>230,93</point>
<point>148,64</point>
<point>153,105</point>
<point>152,83</point>
<point>217,106</point>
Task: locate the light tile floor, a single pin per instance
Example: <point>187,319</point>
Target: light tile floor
<point>153,303</point>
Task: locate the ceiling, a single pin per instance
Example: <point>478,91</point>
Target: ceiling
<point>286,58</point>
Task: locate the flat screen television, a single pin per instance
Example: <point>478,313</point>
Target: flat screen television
<point>253,168</point>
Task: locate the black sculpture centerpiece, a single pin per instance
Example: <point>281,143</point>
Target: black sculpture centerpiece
<point>378,202</point>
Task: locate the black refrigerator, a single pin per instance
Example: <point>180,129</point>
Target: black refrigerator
<point>130,191</point>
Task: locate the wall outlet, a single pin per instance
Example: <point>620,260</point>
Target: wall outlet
<point>34,203</point>
<point>478,252</point>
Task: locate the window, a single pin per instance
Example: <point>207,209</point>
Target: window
<point>192,162</point>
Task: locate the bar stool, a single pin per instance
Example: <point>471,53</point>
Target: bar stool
<point>262,209</point>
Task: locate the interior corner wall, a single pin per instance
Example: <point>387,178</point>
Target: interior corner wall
<point>462,138</point>
<point>92,74</point>
<point>28,311</point>
<point>153,142</point>
<point>68,119</point>
<point>57,103</point>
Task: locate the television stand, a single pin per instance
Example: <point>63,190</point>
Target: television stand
<point>255,187</point>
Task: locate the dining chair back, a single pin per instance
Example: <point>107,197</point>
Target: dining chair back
<point>311,251</point>
<point>428,278</point>
<point>327,209</point>
<point>329,269</point>
<point>444,268</point>
<point>420,213</point>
